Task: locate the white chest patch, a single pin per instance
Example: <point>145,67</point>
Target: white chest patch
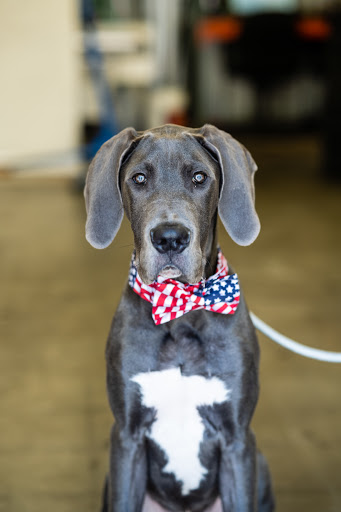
<point>178,428</point>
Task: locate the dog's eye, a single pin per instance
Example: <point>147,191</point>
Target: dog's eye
<point>139,179</point>
<point>199,178</point>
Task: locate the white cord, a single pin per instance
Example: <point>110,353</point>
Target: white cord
<point>303,350</point>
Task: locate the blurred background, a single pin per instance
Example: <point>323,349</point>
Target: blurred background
<point>73,74</point>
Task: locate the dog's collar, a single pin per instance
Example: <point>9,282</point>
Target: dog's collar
<point>171,299</point>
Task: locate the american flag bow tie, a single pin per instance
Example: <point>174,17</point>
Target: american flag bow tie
<point>171,299</point>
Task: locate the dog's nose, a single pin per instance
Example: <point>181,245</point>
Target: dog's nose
<point>170,237</point>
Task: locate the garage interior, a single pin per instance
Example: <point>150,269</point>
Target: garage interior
<point>58,294</point>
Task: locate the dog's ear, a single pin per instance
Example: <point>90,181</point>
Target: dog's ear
<point>237,196</point>
<point>102,194</point>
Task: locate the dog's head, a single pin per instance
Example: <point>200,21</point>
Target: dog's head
<point>171,181</point>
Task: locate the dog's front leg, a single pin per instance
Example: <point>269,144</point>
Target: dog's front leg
<point>128,473</point>
<point>237,481</point>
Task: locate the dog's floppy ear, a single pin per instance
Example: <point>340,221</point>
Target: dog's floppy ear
<point>102,195</point>
<point>237,197</point>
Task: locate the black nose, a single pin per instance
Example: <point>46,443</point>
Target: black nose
<point>170,237</point>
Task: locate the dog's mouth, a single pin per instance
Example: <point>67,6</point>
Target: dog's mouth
<point>170,272</point>
<point>183,271</point>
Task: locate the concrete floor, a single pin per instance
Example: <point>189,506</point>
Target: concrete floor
<point>57,299</point>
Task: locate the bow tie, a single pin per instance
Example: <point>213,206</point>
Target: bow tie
<point>171,299</point>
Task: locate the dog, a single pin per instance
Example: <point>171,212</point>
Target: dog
<point>183,386</point>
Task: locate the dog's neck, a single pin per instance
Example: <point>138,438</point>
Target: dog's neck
<point>212,250</point>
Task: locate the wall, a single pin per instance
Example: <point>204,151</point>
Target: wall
<point>38,78</point>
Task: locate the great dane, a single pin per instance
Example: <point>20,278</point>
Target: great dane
<point>182,392</point>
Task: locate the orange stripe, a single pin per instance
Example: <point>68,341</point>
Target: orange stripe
<point>218,29</point>
<point>314,28</point>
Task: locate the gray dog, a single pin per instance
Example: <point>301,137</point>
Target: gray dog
<point>182,354</point>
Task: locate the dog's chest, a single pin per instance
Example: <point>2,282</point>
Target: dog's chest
<point>178,428</point>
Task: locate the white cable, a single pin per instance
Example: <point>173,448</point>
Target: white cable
<point>303,350</point>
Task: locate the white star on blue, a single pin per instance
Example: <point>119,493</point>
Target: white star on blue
<point>216,291</point>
